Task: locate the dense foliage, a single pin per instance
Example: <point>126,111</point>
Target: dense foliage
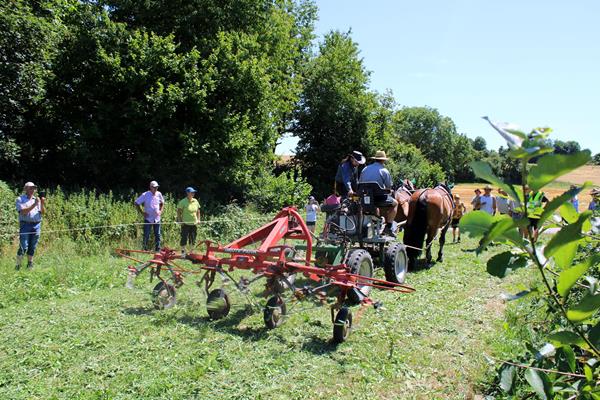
<point>562,361</point>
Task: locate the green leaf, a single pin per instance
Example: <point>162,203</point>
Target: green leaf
<point>484,171</point>
<point>476,223</point>
<point>508,373</point>
<point>503,227</point>
<point>539,382</point>
<point>568,277</point>
<point>589,374</point>
<point>565,358</point>
<point>565,241</point>
<point>502,264</point>
<point>552,166</point>
<point>564,338</point>
<point>586,308</point>
<point>563,198</point>
<point>594,335</point>
<point>568,213</point>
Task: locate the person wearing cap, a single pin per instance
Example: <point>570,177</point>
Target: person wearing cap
<point>346,177</point>
<point>595,203</point>
<point>457,213</point>
<point>378,173</point>
<point>312,208</point>
<point>153,203</point>
<point>30,209</point>
<point>487,202</point>
<point>188,215</point>
<point>575,199</point>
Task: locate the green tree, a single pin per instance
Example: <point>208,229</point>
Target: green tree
<point>568,147</point>
<point>335,110</point>
<point>596,159</point>
<point>436,137</point>
<point>479,144</point>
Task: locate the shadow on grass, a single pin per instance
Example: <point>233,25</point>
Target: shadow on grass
<point>318,346</point>
<point>138,311</point>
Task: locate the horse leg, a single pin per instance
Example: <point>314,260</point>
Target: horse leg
<point>442,241</point>
<point>430,236</point>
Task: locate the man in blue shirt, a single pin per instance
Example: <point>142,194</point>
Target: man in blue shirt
<point>378,173</point>
<point>30,209</point>
<point>346,175</point>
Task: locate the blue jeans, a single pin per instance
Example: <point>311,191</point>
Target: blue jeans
<point>29,235</point>
<point>156,228</point>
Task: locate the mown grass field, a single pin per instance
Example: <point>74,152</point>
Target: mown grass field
<point>71,329</point>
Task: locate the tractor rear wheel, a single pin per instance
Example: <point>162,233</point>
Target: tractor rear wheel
<point>217,304</point>
<point>342,325</point>
<point>395,263</point>
<point>360,262</point>
<point>163,296</point>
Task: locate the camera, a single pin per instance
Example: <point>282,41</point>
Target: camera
<point>42,194</point>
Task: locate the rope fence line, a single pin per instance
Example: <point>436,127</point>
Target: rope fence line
<point>210,222</point>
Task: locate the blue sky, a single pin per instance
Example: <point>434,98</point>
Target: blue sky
<point>532,63</point>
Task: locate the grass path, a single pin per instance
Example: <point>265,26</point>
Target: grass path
<point>104,341</point>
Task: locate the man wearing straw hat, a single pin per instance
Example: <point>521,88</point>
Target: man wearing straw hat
<point>377,172</point>
<point>30,209</point>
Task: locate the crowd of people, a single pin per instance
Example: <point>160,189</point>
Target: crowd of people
<point>150,204</point>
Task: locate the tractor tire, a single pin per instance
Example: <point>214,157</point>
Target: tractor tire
<point>163,296</point>
<point>360,262</point>
<point>342,325</point>
<point>395,263</point>
<point>217,304</point>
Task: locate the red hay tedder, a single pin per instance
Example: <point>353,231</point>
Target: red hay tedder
<point>264,254</point>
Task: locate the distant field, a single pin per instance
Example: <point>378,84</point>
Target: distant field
<point>579,176</point>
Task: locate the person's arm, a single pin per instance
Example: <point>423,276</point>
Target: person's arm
<point>179,213</point>
<point>161,204</point>
<point>26,210</point>
<point>347,175</point>
<point>387,179</point>
<point>138,203</point>
<point>42,205</point>
<point>198,215</point>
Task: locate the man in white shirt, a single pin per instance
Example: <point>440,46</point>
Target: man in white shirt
<point>487,202</point>
<point>153,203</point>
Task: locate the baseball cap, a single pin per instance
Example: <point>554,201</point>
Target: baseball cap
<point>190,189</point>
<point>153,184</point>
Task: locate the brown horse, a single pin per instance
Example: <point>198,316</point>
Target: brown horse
<point>429,210</point>
<point>402,196</point>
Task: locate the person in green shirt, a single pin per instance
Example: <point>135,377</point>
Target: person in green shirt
<point>188,215</point>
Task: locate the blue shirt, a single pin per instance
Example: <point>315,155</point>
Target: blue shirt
<point>33,216</point>
<point>377,172</point>
<point>345,174</point>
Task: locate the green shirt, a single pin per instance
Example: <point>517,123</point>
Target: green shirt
<point>189,210</point>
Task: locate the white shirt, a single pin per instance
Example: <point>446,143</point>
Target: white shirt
<point>486,203</point>
<point>311,212</point>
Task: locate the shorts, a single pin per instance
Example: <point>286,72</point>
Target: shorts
<point>455,223</point>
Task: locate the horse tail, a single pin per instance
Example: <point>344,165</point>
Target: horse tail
<point>416,228</point>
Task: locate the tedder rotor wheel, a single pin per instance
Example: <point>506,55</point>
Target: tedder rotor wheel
<point>217,304</point>
<point>342,325</point>
<point>163,296</point>
<point>274,312</point>
<point>360,262</point>
<point>395,263</point>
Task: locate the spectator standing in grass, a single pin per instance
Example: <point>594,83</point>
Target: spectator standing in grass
<point>30,209</point>
<point>575,199</point>
<point>152,202</point>
<point>503,202</point>
<point>457,213</point>
<point>595,203</point>
<point>475,199</point>
<point>312,208</point>
<point>487,202</point>
<point>188,214</point>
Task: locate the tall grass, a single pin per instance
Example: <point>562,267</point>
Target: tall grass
<point>95,221</point>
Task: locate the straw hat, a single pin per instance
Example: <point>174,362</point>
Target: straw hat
<point>380,155</point>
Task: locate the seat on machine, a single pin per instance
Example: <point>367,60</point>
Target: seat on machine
<point>373,196</point>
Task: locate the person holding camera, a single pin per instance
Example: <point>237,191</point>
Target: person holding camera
<point>30,209</point>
